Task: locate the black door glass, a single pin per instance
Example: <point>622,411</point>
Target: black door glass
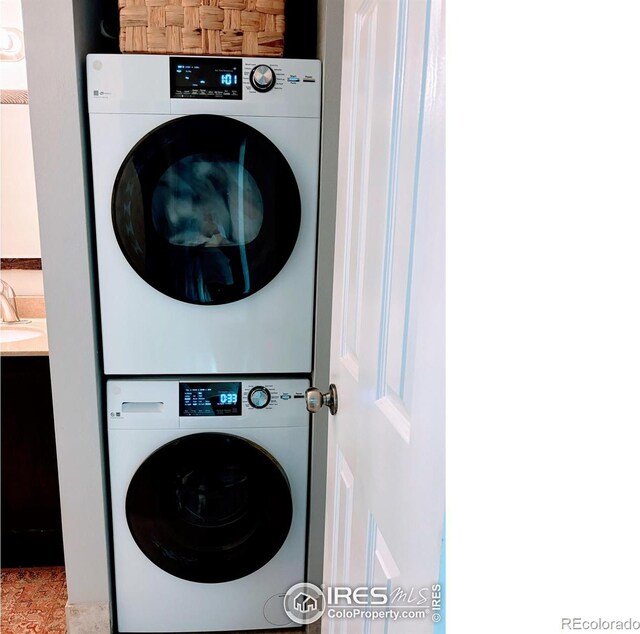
<point>206,209</point>
<point>209,507</point>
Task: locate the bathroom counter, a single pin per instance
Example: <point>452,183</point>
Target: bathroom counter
<point>37,345</point>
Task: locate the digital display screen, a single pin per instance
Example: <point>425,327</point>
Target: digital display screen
<point>211,399</point>
<point>193,78</point>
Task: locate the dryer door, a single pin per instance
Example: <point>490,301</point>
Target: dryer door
<point>206,209</point>
<point>209,507</point>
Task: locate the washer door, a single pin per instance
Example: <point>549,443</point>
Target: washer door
<point>209,507</point>
<point>206,209</point>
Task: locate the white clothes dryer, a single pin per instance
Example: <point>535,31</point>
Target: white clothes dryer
<point>209,498</point>
<point>205,176</point>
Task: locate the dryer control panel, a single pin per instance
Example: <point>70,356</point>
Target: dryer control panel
<point>206,78</point>
<point>225,77</point>
<point>180,84</point>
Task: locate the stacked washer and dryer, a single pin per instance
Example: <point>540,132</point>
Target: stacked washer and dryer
<point>205,175</point>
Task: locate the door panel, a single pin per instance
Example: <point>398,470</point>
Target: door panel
<point>382,571</point>
<point>341,538</point>
<point>386,443</point>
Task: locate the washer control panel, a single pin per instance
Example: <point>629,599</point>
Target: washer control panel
<point>227,398</point>
<point>269,395</point>
<point>207,402</point>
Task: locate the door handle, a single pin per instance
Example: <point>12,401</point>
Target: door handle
<point>315,399</point>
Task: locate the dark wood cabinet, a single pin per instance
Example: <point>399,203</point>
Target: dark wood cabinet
<point>31,526</point>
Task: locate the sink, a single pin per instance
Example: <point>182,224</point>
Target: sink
<point>17,333</point>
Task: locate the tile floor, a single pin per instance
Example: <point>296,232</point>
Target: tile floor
<point>33,600</point>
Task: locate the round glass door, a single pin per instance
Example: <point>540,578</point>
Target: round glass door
<point>206,209</point>
<point>209,507</point>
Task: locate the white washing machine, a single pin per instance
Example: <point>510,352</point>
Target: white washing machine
<point>209,497</point>
<point>205,176</point>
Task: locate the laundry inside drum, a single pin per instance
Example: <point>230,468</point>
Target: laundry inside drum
<point>203,202</point>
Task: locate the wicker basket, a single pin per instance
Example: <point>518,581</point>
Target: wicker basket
<point>253,28</point>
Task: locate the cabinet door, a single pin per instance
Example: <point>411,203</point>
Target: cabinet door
<point>31,525</point>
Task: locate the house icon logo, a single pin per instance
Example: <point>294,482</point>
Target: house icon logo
<point>304,603</point>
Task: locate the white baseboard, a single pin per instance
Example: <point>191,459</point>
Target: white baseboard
<point>88,618</point>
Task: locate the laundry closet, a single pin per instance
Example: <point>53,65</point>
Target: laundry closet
<point>204,224</point>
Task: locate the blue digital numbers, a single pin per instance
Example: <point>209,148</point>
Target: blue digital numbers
<point>227,398</point>
<point>211,399</point>
<point>228,79</point>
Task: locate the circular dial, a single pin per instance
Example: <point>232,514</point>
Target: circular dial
<point>259,397</point>
<point>262,78</point>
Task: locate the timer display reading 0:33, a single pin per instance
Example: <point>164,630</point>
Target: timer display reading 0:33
<point>227,398</point>
<point>211,399</point>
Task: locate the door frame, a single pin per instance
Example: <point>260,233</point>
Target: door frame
<point>330,29</point>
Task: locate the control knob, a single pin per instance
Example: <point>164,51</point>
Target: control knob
<point>262,78</point>
<point>259,397</point>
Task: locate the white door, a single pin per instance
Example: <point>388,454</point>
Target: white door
<point>385,497</point>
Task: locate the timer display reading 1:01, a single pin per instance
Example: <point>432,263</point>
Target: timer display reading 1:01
<point>227,79</point>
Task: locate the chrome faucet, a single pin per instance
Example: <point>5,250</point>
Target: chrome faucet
<point>8,309</point>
